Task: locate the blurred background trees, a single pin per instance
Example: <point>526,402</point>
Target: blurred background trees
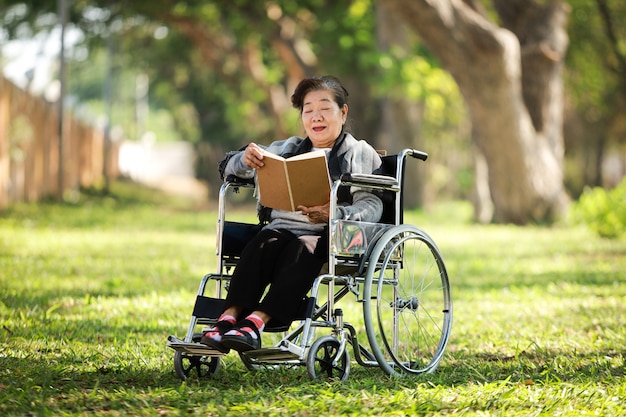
<point>519,102</point>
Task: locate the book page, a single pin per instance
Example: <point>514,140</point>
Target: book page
<point>273,184</point>
<point>308,155</point>
<point>309,178</point>
<point>267,154</point>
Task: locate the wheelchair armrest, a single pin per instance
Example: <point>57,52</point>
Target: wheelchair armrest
<point>369,180</point>
<point>238,181</point>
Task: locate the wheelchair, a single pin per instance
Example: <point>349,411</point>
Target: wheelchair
<point>394,271</point>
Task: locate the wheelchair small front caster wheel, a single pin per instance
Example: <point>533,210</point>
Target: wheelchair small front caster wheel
<point>320,362</point>
<point>195,366</point>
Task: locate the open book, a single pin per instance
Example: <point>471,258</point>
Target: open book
<point>300,180</point>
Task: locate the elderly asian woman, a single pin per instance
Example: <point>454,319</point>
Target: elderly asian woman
<point>278,267</point>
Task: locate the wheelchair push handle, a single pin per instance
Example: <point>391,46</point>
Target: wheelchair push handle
<point>417,154</point>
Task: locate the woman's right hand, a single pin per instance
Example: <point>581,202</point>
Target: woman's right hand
<point>253,156</point>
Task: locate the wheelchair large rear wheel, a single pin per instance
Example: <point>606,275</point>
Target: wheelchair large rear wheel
<point>407,305</point>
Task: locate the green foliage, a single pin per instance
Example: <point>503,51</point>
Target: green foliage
<point>595,85</point>
<point>214,67</point>
<point>90,291</point>
<point>593,74</point>
<point>203,89</point>
<point>604,211</point>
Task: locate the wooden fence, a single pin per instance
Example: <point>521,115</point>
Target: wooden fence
<point>29,149</point>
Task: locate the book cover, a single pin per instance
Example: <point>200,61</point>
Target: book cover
<point>300,180</point>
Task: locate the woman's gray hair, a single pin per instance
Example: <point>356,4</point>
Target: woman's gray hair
<point>326,82</point>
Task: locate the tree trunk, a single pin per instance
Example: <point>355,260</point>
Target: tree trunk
<point>481,197</point>
<point>512,87</point>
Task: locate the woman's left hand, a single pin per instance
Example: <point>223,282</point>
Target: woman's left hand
<point>316,214</point>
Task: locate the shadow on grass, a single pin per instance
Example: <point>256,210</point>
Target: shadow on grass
<point>528,271</point>
<point>54,299</point>
<point>126,205</point>
<point>46,385</point>
<point>541,366</point>
<point>65,371</point>
<point>50,377</point>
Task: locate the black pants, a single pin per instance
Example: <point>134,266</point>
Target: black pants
<point>278,259</point>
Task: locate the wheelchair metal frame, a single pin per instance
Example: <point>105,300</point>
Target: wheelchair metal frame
<point>407,312</point>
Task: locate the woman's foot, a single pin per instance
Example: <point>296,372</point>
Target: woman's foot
<point>246,335</point>
<point>213,336</point>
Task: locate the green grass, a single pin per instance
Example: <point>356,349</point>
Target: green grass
<point>90,291</point>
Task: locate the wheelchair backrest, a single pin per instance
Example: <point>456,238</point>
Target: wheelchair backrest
<point>389,168</point>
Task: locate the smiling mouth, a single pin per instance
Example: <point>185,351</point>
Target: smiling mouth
<point>318,128</point>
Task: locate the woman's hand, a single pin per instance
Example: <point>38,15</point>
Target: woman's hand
<point>253,156</point>
<point>316,214</point>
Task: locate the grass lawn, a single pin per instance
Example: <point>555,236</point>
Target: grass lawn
<point>90,292</point>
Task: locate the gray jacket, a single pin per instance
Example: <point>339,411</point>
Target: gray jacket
<point>349,155</point>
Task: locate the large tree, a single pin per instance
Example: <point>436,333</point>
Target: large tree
<point>510,78</point>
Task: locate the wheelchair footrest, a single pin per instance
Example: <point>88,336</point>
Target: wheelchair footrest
<point>191,348</point>
<point>273,354</point>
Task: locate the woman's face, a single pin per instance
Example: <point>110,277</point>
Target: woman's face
<point>323,118</point>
